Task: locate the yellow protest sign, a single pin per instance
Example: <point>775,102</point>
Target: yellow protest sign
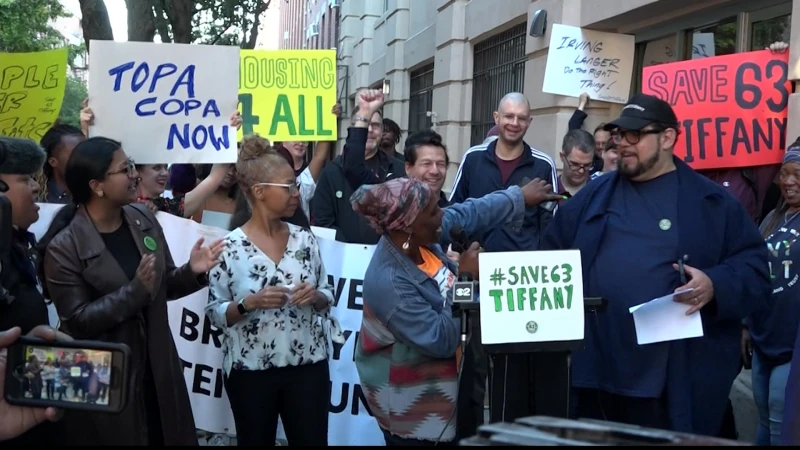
<point>31,92</point>
<point>287,95</point>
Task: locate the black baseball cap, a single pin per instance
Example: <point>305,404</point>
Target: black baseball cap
<point>642,110</point>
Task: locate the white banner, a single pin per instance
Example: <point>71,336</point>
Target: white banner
<point>199,343</point>
<point>597,63</point>
<point>166,103</point>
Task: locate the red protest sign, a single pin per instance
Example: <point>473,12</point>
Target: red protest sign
<point>732,108</point>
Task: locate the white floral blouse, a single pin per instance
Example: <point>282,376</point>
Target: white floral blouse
<point>267,338</point>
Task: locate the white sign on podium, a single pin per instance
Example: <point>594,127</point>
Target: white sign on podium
<point>528,297</point>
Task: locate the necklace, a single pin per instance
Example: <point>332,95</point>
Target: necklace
<point>787,218</point>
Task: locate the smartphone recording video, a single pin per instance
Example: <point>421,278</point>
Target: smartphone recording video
<point>67,375</point>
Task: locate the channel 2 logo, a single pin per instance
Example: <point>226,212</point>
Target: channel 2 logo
<point>464,292</point>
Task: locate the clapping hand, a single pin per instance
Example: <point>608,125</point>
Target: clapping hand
<point>146,272</point>
<point>202,259</point>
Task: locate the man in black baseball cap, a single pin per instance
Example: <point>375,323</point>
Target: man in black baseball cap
<point>648,229</point>
<point>643,110</point>
<point>645,133</point>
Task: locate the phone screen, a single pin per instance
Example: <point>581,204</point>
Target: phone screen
<point>58,374</point>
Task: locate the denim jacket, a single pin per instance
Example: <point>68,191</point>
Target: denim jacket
<point>408,332</point>
<point>391,272</point>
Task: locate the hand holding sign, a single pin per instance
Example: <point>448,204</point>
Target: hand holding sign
<point>778,47</point>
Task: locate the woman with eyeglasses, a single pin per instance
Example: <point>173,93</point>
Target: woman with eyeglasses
<point>109,272</point>
<point>153,180</point>
<point>270,296</point>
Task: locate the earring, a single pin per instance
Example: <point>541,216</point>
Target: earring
<point>100,194</point>
<point>406,244</point>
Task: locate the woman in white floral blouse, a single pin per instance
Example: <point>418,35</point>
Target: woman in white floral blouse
<point>270,295</point>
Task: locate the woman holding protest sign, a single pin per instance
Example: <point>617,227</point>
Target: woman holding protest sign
<point>109,272</point>
<point>270,296</point>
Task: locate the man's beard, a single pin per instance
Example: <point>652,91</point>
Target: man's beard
<point>640,167</point>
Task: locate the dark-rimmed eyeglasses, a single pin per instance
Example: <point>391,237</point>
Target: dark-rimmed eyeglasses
<point>632,136</point>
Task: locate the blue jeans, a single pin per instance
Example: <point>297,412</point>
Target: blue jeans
<point>769,392</point>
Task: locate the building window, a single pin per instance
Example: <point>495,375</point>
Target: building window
<point>714,40</point>
<point>498,68</point>
<point>420,99</point>
<point>738,28</point>
<point>385,5</point>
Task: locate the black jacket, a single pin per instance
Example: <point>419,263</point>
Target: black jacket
<point>26,309</point>
<point>330,207</point>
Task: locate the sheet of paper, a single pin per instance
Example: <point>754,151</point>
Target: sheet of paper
<point>216,219</point>
<point>663,319</point>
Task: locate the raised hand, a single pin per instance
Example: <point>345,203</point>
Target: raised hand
<point>369,101</point>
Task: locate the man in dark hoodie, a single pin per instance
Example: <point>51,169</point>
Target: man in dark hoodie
<point>331,206</point>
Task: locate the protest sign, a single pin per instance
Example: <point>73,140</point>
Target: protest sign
<point>287,95</point>
<point>531,297</point>
<point>593,62</point>
<point>166,103</point>
<point>31,92</point>
<point>732,109</point>
<point>665,50</point>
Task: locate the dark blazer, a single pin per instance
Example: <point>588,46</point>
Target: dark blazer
<point>725,244</point>
<point>96,300</point>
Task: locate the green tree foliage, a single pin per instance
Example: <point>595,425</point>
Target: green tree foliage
<point>214,22</point>
<point>228,22</point>
<point>74,95</point>
<point>27,26</point>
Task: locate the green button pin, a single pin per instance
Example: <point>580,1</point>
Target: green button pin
<point>150,243</point>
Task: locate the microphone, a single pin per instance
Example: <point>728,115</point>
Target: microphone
<point>458,239</point>
<point>547,206</point>
<point>463,297</point>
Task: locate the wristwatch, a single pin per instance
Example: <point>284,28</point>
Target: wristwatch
<point>240,306</point>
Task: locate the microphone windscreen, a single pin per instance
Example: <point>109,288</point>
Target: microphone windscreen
<point>458,238</point>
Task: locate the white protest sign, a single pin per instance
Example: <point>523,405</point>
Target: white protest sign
<point>199,343</point>
<point>166,103</point>
<point>531,297</point>
<point>597,63</point>
<point>665,50</point>
<point>350,421</point>
<point>703,45</point>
